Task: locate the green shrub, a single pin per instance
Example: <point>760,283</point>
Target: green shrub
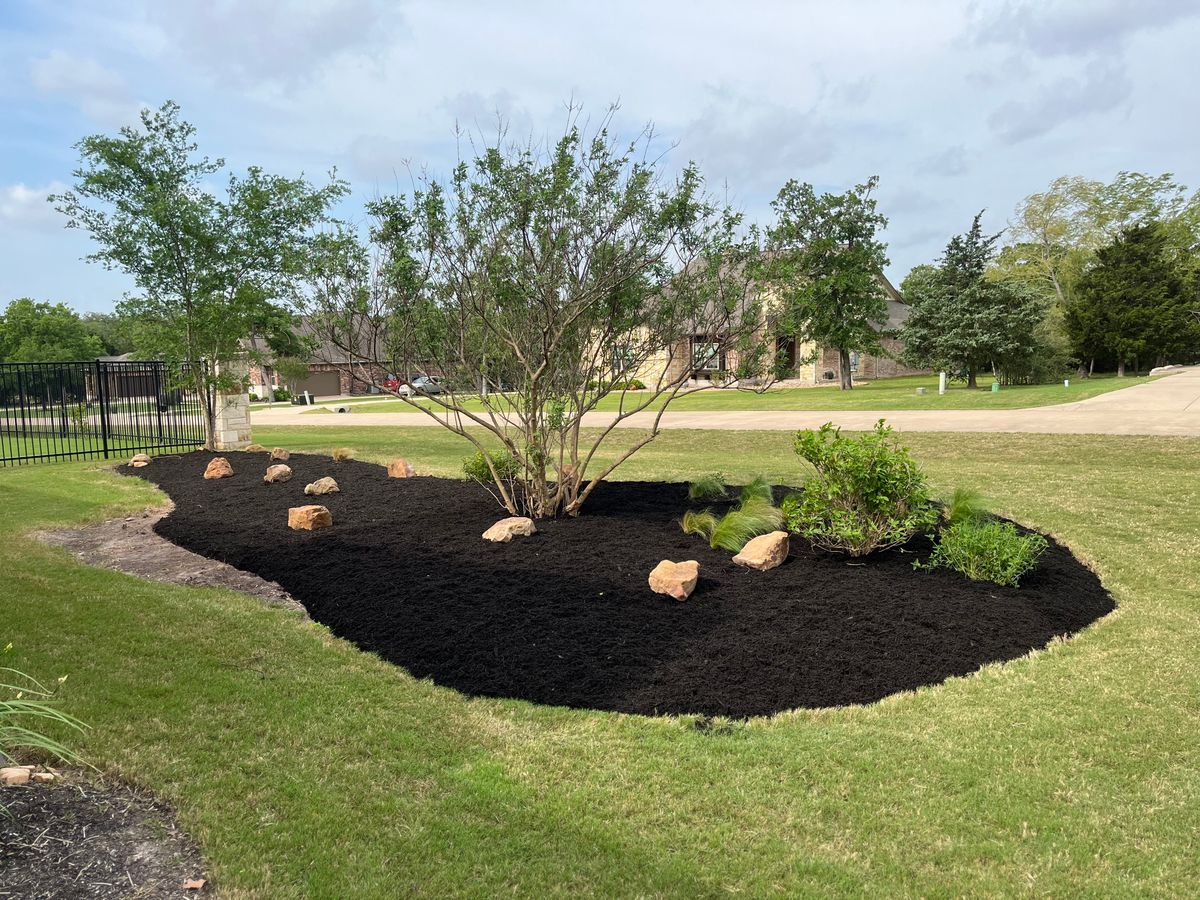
<point>749,520</point>
<point>701,523</point>
<point>282,395</point>
<point>24,703</point>
<point>758,489</point>
<point>707,487</point>
<point>966,505</point>
<point>987,551</point>
<point>506,465</point>
<point>867,493</point>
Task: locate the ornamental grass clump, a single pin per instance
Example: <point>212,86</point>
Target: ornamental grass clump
<point>755,514</point>
<point>751,518</point>
<point>707,487</point>
<point>867,493</point>
<point>987,551</point>
<point>341,454</point>
<point>966,505</point>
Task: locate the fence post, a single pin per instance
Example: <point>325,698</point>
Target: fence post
<point>102,395</point>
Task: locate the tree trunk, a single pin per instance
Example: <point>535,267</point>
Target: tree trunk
<point>208,404</point>
<point>844,369</point>
<point>1121,369</point>
<point>971,380</point>
<point>1081,371</point>
<point>1091,367</point>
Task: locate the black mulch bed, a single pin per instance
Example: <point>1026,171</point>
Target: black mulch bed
<point>565,617</point>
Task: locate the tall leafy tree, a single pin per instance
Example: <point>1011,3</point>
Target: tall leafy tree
<point>31,331</point>
<point>961,320</point>
<point>114,332</point>
<point>554,273</point>
<point>206,260</point>
<point>824,262</point>
<point>1136,303</point>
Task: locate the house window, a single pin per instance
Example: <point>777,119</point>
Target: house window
<point>707,355</point>
<point>623,359</point>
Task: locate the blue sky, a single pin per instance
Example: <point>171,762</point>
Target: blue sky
<point>956,106</point>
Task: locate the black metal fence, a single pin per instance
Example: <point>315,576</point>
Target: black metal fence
<point>90,410</point>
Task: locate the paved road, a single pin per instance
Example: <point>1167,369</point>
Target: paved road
<point>1168,406</point>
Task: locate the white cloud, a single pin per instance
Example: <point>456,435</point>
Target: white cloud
<point>26,208</point>
<point>98,91</point>
<point>1099,88</point>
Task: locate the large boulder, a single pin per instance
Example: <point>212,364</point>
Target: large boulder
<point>277,472</point>
<point>280,454</point>
<point>400,468</point>
<point>309,518</point>
<point>218,468</point>
<point>321,486</point>
<point>675,579</point>
<point>764,552</point>
<point>139,460</point>
<point>506,529</point>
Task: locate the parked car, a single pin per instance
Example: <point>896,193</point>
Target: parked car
<point>391,382</point>
<point>422,384</point>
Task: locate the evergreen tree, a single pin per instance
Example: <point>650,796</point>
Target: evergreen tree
<point>961,321</point>
<point>1134,304</point>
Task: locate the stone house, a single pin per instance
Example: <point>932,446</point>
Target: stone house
<point>808,363</point>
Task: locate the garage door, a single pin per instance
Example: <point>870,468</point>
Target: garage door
<point>320,384</point>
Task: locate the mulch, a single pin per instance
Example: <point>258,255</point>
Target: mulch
<point>565,616</point>
<point>94,839</point>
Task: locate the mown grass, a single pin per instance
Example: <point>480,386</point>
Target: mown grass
<point>885,394</point>
<point>307,768</point>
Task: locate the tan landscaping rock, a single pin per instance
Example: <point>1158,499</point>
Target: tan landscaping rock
<point>324,485</point>
<point>506,529</point>
<point>277,473</point>
<point>765,551</point>
<point>14,775</point>
<point>280,454</point>
<point>256,448</point>
<point>309,518</point>
<point>676,579</point>
<point>218,468</point>
<point>139,460</point>
<point>400,468</point>
<point>43,777</point>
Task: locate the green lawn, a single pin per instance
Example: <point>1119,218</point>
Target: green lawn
<point>307,768</point>
<point>886,394</point>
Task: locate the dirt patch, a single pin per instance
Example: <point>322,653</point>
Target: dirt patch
<point>565,616</point>
<point>92,839</point>
<point>132,546</point>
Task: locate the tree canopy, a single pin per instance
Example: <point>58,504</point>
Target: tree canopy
<point>33,331</point>
<point>824,263</point>
<point>961,321</point>
<point>1136,303</point>
<point>535,280</point>
<point>207,262</point>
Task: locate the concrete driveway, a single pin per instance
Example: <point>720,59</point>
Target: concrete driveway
<point>1167,406</point>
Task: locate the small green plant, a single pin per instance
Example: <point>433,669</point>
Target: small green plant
<point>867,493</point>
<point>752,518</point>
<point>282,395</point>
<point>506,465</point>
<point>707,487</point>
<point>987,551</point>
<point>966,505</point>
<point>25,702</point>
<point>758,489</point>
<point>701,523</point>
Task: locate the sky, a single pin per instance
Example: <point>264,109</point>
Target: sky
<point>956,106</point>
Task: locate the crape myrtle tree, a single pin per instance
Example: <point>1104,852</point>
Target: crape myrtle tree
<point>208,263</point>
<point>1136,304</point>
<point>534,281</point>
<point>961,321</point>
<point>823,263</point>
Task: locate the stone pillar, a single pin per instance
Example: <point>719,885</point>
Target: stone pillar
<point>233,412</point>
